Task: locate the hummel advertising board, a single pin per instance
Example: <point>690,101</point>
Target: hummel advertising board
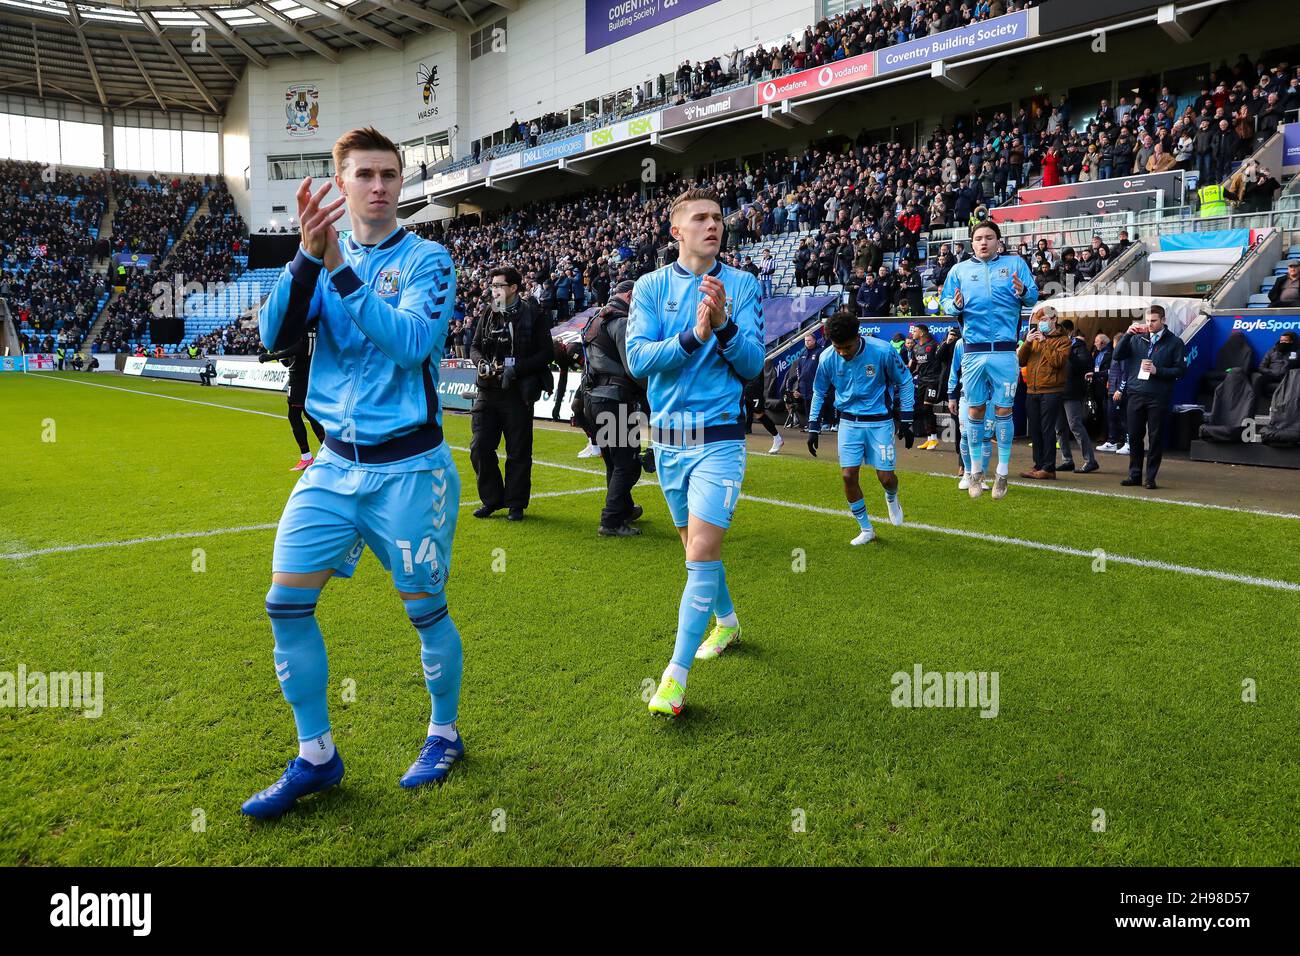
<point>709,108</point>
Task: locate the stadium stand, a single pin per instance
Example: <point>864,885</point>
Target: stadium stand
<point>871,26</point>
<point>49,229</point>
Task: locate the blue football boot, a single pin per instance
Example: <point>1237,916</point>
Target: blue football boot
<point>300,778</point>
<point>435,760</point>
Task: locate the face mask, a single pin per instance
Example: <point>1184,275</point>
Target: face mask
<point>1045,327</point>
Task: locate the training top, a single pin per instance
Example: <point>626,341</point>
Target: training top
<point>381,323</point>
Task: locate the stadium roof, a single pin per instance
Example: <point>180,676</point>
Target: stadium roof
<point>140,53</point>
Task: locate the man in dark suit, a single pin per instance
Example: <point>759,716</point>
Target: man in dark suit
<point>512,350</point>
<point>1156,360</point>
<point>1102,354</point>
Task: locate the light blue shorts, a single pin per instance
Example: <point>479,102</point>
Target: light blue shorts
<point>866,443</point>
<point>702,480</point>
<point>990,377</point>
<point>405,512</point>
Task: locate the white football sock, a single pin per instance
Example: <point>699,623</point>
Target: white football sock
<point>728,620</point>
<point>317,750</point>
<point>306,456</point>
<point>443,730</point>
<point>1003,470</point>
<point>678,673</point>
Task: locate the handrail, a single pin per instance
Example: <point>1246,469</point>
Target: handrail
<point>1229,278</point>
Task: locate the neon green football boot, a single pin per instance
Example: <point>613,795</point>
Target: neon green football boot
<point>669,698</point>
<point>719,639</point>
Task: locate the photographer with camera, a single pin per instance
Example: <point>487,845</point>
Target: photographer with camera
<point>512,349</point>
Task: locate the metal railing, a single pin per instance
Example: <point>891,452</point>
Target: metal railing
<point>1148,224</point>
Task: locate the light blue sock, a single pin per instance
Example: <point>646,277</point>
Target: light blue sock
<point>964,444</point>
<point>300,662</point>
<point>1005,430</point>
<point>698,597</point>
<point>723,609</point>
<point>859,509</point>
<point>440,655</point>
<point>975,439</point>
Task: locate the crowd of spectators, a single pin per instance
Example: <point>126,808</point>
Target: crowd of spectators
<point>872,26</point>
<point>152,212</point>
<point>48,221</point>
<point>870,204</point>
<point>233,339</point>
<point>206,255</point>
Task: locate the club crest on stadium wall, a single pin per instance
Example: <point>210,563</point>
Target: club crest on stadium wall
<point>302,109</point>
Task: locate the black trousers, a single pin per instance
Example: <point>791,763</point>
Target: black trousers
<point>560,389</point>
<point>1043,411</point>
<point>499,412</point>
<point>296,413</point>
<point>927,396</point>
<point>614,426</point>
<point>1146,439</point>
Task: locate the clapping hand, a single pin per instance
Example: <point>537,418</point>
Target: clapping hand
<point>316,221</point>
<point>711,313</point>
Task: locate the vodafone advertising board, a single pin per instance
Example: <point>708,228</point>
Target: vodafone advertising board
<point>828,77</point>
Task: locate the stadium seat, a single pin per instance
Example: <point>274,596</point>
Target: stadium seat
<point>1258,301</point>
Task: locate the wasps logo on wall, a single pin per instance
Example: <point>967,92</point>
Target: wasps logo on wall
<point>426,79</point>
<point>386,284</point>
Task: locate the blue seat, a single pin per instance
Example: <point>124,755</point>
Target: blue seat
<point>1258,301</point>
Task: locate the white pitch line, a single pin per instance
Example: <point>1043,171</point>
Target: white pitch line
<point>1050,486</point>
<point>181,535</point>
<point>141,391</point>
<point>1053,548</point>
<point>936,529</point>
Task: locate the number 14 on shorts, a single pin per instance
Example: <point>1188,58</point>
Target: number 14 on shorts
<point>426,552</point>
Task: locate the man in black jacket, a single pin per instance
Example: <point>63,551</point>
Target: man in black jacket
<point>931,388</point>
<point>612,402</point>
<point>1277,361</point>
<point>1156,360</point>
<point>1071,417</point>
<point>1285,293</point>
<point>512,349</point>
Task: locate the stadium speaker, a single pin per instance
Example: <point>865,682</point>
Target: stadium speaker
<point>166,331</point>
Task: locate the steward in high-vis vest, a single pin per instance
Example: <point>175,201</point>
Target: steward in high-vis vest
<point>1212,201</point>
<point>613,401</point>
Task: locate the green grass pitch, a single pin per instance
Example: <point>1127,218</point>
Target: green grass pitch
<point>1119,691</point>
